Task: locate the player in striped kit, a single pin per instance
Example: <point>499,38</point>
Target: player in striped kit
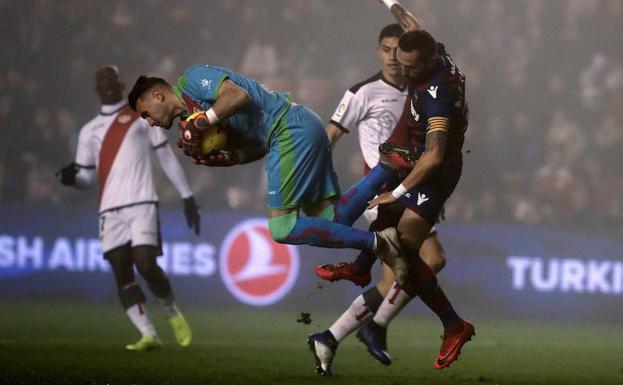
<point>114,148</point>
<point>438,119</point>
<point>373,108</point>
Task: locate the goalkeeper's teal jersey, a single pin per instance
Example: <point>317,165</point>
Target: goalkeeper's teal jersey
<point>199,87</point>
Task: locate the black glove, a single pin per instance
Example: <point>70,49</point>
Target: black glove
<point>67,174</point>
<point>191,211</point>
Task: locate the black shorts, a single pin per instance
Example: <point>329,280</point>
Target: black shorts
<point>428,198</point>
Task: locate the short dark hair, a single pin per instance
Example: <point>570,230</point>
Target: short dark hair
<point>420,41</point>
<point>391,30</point>
<point>142,85</point>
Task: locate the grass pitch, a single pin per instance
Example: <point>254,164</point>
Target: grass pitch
<point>82,343</point>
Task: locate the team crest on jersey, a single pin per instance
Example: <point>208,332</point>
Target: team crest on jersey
<point>432,90</point>
<point>206,83</point>
<point>123,119</point>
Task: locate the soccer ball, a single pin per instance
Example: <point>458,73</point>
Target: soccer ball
<point>214,138</point>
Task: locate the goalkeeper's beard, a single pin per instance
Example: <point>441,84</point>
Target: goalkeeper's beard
<point>168,124</point>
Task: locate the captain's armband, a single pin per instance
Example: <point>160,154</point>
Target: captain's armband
<point>437,123</point>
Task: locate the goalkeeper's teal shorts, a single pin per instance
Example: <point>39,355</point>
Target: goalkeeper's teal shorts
<point>299,166</point>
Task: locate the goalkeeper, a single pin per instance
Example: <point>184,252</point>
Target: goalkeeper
<point>299,166</point>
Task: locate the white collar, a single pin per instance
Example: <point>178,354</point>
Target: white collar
<point>109,109</point>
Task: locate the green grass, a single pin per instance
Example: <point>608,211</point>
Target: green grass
<point>80,343</point>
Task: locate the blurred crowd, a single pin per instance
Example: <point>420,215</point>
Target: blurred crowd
<point>545,85</point>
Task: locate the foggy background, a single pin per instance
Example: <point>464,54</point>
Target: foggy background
<point>544,83</point>
<point>533,234</point>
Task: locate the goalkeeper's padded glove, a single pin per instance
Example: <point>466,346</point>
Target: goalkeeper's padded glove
<point>218,158</point>
<point>189,139</point>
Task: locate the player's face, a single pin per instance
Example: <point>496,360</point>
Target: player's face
<point>156,109</point>
<point>412,65</point>
<point>387,53</point>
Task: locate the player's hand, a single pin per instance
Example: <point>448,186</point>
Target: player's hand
<point>218,158</point>
<point>384,198</point>
<point>189,139</point>
<point>67,174</point>
<point>191,212</point>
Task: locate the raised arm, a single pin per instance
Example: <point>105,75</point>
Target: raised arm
<point>404,17</point>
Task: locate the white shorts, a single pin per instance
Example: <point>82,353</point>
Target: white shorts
<point>138,225</point>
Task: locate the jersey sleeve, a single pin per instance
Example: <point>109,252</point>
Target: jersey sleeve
<point>205,82</point>
<point>349,112</point>
<point>85,154</point>
<point>439,100</point>
<point>157,137</point>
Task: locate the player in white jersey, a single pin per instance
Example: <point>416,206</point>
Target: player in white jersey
<point>115,147</point>
<point>373,108</point>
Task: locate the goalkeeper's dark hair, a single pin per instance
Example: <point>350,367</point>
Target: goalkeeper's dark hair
<point>391,30</point>
<point>142,85</point>
<point>420,41</point>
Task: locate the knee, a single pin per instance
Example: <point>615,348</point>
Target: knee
<point>423,278</point>
<point>436,261</point>
<point>279,234</point>
<point>280,227</point>
<point>145,268</point>
<point>409,240</point>
<point>383,287</point>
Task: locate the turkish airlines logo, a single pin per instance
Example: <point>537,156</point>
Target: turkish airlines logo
<point>255,269</point>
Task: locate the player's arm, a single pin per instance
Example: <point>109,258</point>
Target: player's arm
<point>80,173</point>
<point>229,99</point>
<point>346,116</point>
<point>439,107</point>
<point>174,172</point>
<point>227,158</point>
<point>236,151</point>
<point>250,154</point>
<point>404,17</point>
<point>85,177</point>
<point>76,175</point>
<point>432,157</point>
<point>334,133</point>
<point>172,169</point>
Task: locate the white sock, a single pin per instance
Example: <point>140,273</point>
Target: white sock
<point>138,316</point>
<point>393,302</point>
<point>168,306</point>
<point>351,319</point>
